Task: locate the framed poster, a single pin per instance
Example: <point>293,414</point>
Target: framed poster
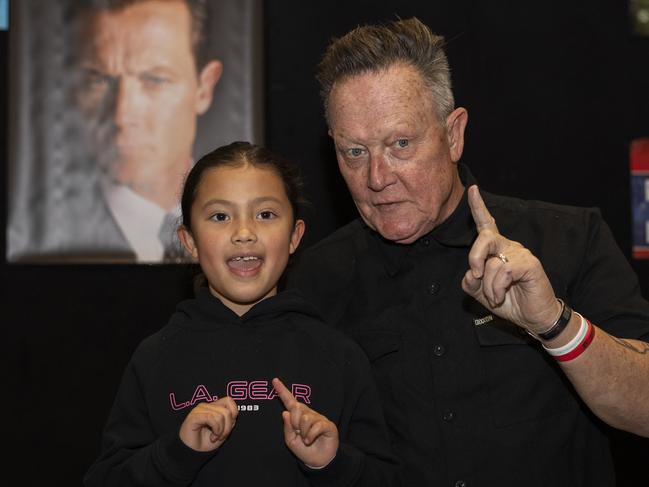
<point>111,101</point>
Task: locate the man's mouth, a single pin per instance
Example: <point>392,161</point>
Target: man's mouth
<point>387,206</point>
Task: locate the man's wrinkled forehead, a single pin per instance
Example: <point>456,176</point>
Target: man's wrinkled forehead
<point>397,81</point>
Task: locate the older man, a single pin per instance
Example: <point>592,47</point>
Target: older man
<point>486,374</point>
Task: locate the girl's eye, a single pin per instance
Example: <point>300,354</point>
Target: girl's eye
<point>266,215</point>
<point>402,143</point>
<point>219,217</point>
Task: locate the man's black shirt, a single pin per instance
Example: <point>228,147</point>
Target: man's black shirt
<point>471,399</point>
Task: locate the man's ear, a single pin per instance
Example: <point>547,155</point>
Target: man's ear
<point>207,79</point>
<point>296,235</point>
<point>187,240</point>
<point>455,125</point>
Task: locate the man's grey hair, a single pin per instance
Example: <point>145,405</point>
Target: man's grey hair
<point>373,48</point>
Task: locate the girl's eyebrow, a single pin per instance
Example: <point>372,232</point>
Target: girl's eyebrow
<point>215,201</point>
<point>263,199</point>
<point>256,201</point>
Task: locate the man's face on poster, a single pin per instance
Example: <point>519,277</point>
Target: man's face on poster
<point>141,90</point>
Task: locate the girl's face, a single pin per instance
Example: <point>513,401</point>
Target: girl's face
<point>242,233</point>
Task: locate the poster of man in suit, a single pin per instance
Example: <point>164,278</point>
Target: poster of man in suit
<point>111,102</point>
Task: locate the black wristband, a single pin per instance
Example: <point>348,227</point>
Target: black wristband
<point>559,325</point>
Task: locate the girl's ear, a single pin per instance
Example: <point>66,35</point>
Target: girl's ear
<point>186,238</point>
<point>296,235</point>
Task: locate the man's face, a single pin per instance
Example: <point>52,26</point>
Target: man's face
<point>398,160</point>
<point>141,89</point>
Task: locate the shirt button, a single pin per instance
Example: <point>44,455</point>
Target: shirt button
<point>439,350</point>
<point>448,416</point>
<point>460,483</point>
<point>433,288</point>
<point>425,242</point>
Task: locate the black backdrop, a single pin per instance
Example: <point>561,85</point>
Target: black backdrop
<point>555,91</point>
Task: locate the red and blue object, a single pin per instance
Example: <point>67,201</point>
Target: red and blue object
<point>640,197</point>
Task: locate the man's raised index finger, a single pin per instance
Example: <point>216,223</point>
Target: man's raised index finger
<point>481,216</point>
<point>284,394</point>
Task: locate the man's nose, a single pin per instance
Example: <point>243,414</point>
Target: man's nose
<point>379,174</point>
<point>126,101</point>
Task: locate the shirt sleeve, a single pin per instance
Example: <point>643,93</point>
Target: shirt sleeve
<point>606,289</point>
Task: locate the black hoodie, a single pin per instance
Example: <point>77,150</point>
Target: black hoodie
<point>207,352</point>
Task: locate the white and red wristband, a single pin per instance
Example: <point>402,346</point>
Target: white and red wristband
<point>578,345</point>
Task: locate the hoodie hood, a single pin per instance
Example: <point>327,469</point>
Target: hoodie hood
<point>207,312</point>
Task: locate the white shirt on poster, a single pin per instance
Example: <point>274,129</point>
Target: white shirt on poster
<point>139,219</point>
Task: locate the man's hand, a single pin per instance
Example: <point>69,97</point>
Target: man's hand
<point>505,277</point>
<point>308,434</point>
<point>209,424</point>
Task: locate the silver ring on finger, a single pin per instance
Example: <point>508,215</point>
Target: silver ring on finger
<point>503,258</point>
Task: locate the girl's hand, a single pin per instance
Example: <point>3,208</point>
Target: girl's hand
<point>308,434</point>
<point>209,424</point>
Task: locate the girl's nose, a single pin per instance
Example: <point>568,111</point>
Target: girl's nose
<point>244,234</point>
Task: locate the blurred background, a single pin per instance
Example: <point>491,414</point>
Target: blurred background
<point>556,93</point>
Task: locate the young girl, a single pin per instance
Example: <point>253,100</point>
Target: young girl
<point>201,402</point>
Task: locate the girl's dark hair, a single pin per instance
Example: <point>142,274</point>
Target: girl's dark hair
<point>240,154</point>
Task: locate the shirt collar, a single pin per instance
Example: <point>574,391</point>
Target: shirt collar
<point>138,218</point>
<point>458,230</point>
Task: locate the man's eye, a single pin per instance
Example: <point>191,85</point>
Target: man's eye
<point>219,217</point>
<point>95,78</point>
<point>152,79</point>
<point>266,215</point>
<point>355,152</point>
<point>402,143</point>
